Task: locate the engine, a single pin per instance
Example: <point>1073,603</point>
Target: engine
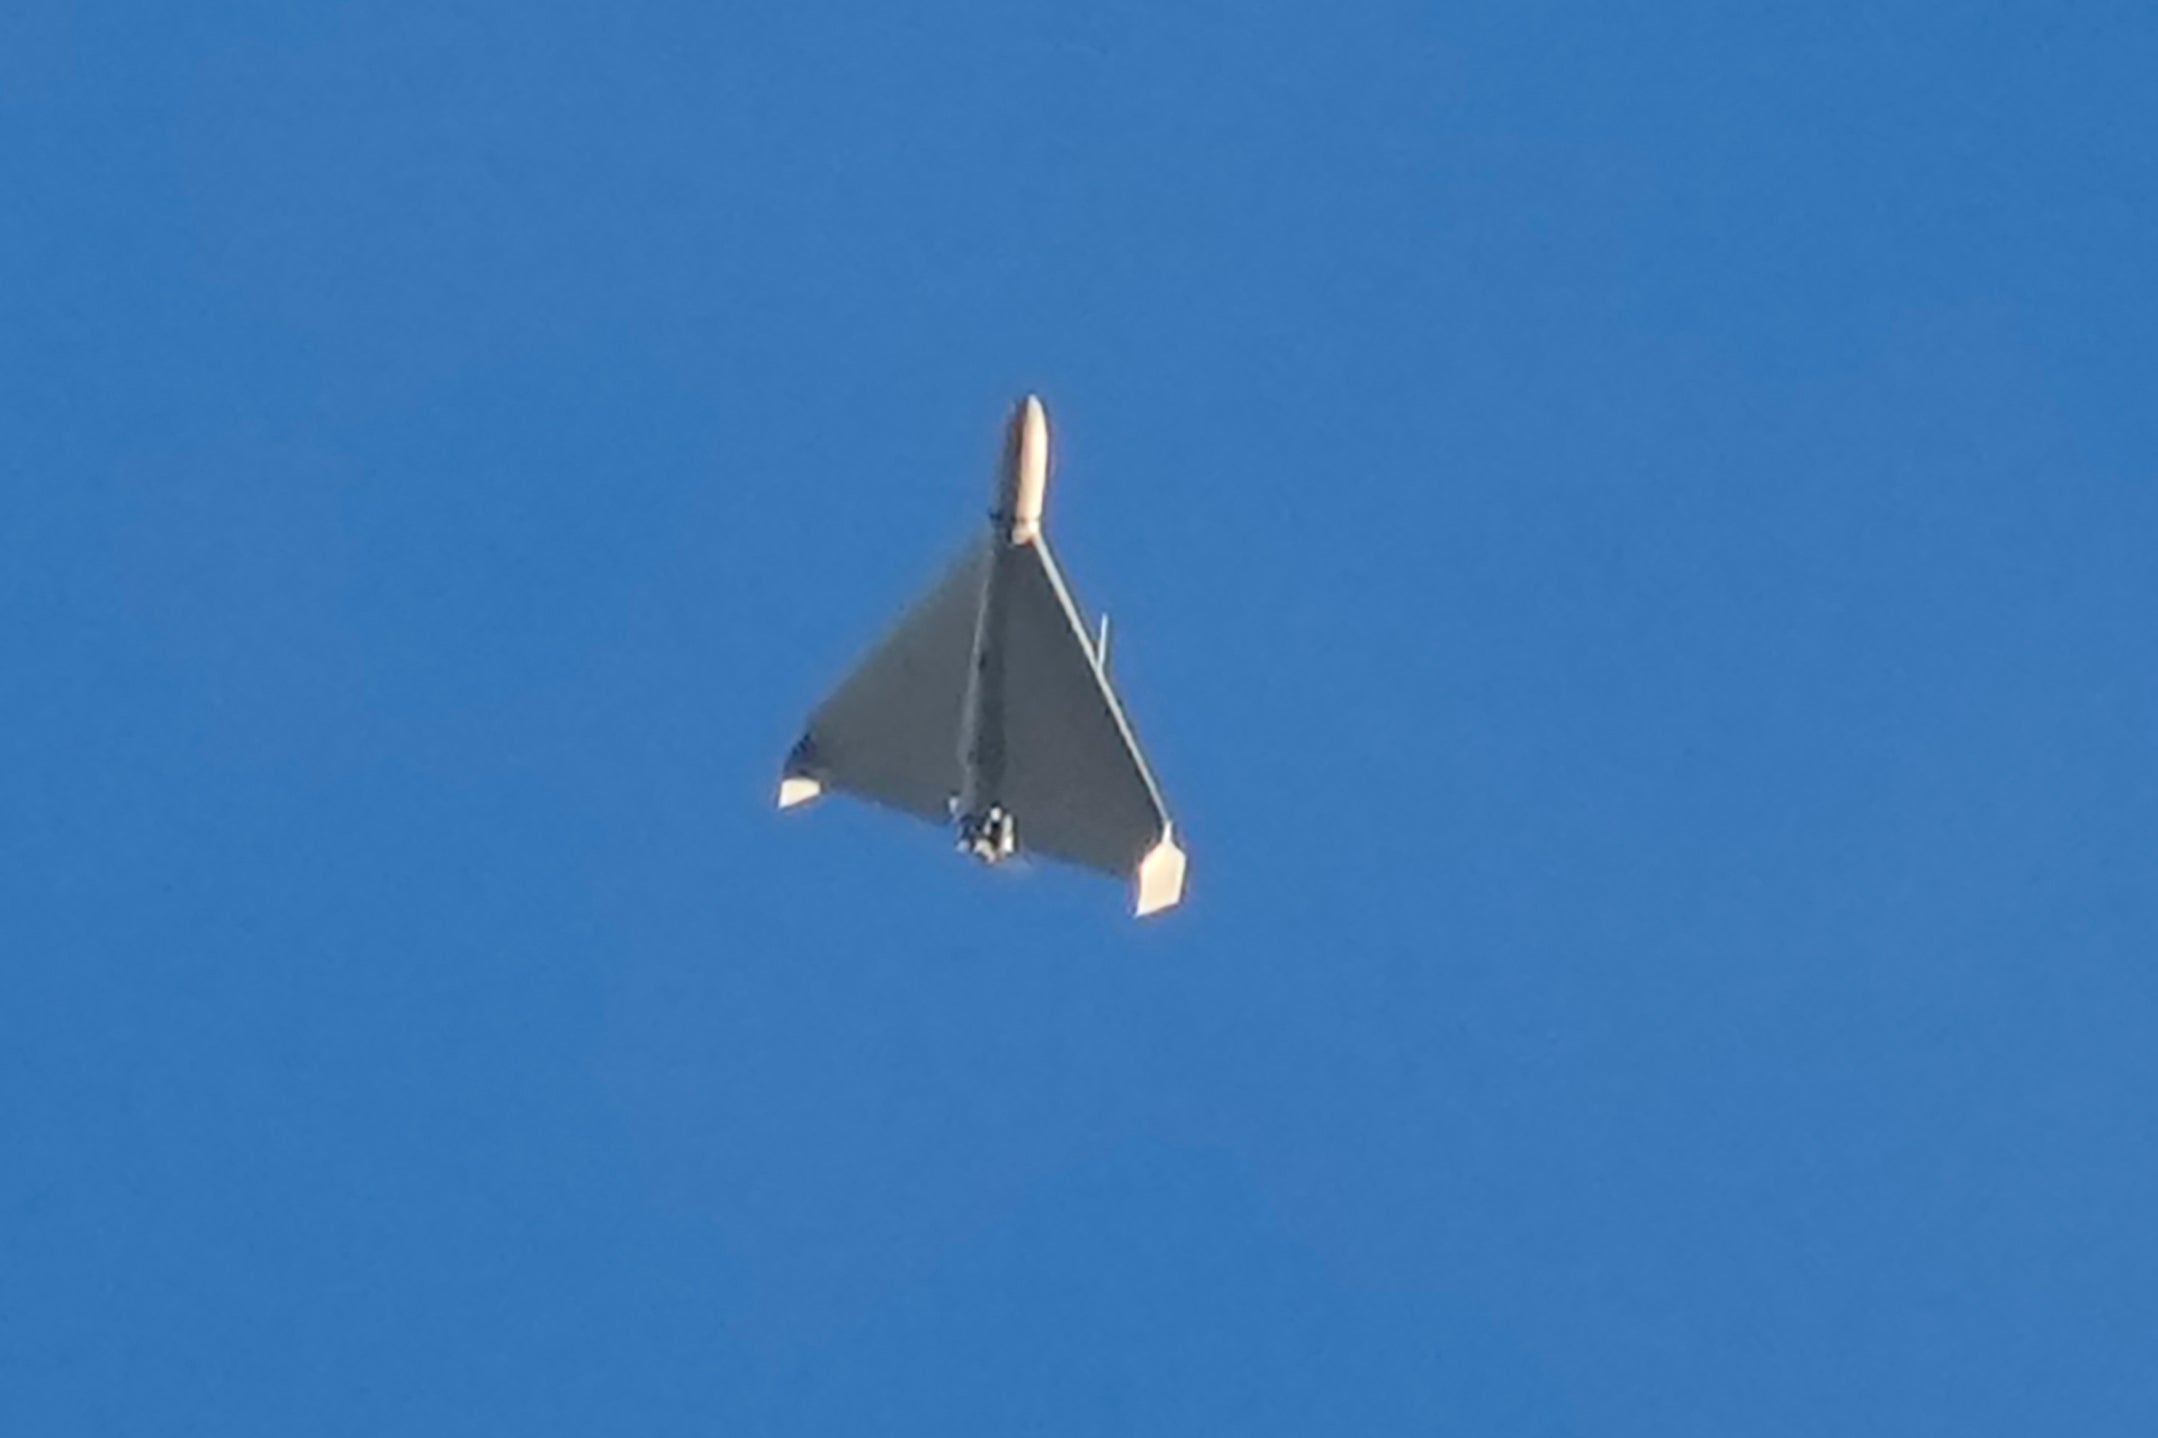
<point>988,835</point>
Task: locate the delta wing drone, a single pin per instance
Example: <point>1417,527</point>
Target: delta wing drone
<point>989,708</point>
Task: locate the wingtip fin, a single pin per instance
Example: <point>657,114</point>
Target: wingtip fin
<point>1160,878</point>
<point>798,789</point>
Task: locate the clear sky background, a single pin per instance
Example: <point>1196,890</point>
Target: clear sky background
<point>1630,531</point>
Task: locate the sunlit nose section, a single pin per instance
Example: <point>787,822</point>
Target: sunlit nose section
<point>1026,471</point>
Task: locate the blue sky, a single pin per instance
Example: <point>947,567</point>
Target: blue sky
<point>1630,530</point>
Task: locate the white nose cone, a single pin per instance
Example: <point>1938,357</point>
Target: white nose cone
<point>1027,461</point>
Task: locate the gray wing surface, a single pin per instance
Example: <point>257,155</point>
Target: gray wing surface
<point>890,732</point>
<point>1074,780</point>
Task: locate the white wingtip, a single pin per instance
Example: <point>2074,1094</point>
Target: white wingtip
<point>798,789</point>
<point>1161,877</point>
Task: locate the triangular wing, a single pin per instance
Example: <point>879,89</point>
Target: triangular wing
<point>1074,779</point>
<point>890,732</point>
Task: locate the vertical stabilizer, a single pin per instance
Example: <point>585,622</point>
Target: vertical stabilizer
<point>1160,878</point>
